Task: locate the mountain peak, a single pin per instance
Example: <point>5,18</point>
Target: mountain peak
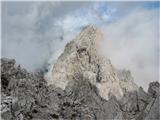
<point>87,86</point>
<point>89,36</point>
<point>81,57</point>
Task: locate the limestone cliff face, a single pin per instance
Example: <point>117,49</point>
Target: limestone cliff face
<point>81,56</point>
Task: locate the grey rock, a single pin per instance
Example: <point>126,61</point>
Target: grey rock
<point>28,96</point>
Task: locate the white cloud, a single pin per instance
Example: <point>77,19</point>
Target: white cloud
<point>29,29</point>
<point>36,32</point>
<point>33,31</point>
<point>132,43</point>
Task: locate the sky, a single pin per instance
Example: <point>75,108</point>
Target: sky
<point>35,33</point>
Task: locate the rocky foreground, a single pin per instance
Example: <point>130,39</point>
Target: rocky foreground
<point>82,85</point>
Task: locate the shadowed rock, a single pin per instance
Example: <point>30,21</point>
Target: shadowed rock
<point>27,96</point>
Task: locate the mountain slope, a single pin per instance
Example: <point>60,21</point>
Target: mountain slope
<point>82,56</point>
<point>82,85</point>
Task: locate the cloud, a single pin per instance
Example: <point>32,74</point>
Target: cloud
<point>31,33</point>
<point>35,33</point>
<point>132,43</point>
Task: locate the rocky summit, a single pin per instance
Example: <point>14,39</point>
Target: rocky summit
<point>81,56</point>
<point>82,85</point>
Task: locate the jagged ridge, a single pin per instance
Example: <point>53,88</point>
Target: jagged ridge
<point>82,85</point>
<point>27,96</point>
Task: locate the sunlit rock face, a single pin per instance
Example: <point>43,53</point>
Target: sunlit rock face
<point>81,56</point>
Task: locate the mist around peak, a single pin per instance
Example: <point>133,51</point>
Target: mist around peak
<point>35,33</point>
